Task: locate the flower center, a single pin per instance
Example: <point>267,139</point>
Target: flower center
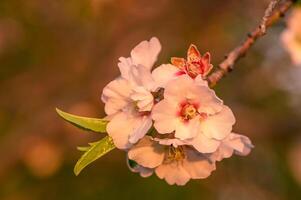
<point>188,111</point>
<point>175,154</point>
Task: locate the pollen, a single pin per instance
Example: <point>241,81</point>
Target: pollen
<point>175,154</point>
<point>188,111</point>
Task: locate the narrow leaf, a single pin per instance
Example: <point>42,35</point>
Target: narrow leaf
<point>90,124</point>
<point>95,151</point>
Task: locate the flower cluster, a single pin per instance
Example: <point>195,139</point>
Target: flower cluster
<point>291,37</point>
<point>168,120</point>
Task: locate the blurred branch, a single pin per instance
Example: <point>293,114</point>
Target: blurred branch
<point>273,13</point>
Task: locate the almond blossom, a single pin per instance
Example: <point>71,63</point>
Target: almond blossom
<point>177,165</point>
<point>128,99</point>
<point>193,114</point>
<point>168,120</point>
<point>291,37</point>
<point>196,66</point>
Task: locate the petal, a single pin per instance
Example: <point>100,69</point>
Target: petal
<point>200,81</point>
<point>116,95</point>
<point>174,142</point>
<point>143,124</point>
<point>179,88</point>
<point>197,165</point>
<point>147,153</point>
<point>178,62</point>
<point>206,60</point>
<point>193,53</point>
<point>143,98</point>
<point>120,128</point>
<point>222,152</point>
<point>241,144</point>
<point>163,74</point>
<point>164,115</point>
<point>187,130</point>
<point>146,53</point>
<point>218,126</point>
<point>141,76</point>
<point>125,65</point>
<point>204,144</point>
<point>143,171</point>
<point>173,173</point>
<point>209,102</point>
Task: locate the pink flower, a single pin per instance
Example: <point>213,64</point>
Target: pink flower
<point>195,115</point>
<point>177,165</point>
<point>128,99</point>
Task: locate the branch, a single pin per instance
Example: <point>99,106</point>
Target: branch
<point>273,13</point>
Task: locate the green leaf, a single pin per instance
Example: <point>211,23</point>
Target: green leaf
<point>90,124</point>
<point>83,148</point>
<point>93,152</point>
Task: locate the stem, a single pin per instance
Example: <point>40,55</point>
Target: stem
<point>273,13</point>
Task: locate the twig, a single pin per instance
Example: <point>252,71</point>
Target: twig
<point>273,13</point>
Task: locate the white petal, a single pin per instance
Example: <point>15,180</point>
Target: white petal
<point>163,74</point>
<point>197,165</point>
<point>174,142</point>
<point>140,76</point>
<point>164,115</point>
<point>187,130</point>
<point>222,152</point>
<point>200,81</point>
<point>120,128</point>
<point>125,65</point>
<point>173,173</point>
<point>204,144</point>
<point>144,99</point>
<point>184,88</point>
<point>209,102</point>
<point>143,124</point>
<point>240,143</point>
<point>179,89</point>
<point>218,126</point>
<point>147,153</point>
<point>146,53</point>
<point>116,95</point>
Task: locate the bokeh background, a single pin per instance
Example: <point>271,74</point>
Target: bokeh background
<point>61,53</point>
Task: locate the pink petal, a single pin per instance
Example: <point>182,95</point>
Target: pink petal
<point>173,173</point>
<point>197,165</point>
<point>147,153</point>
<point>218,126</point>
<point>146,53</point>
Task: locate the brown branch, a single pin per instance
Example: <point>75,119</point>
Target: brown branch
<point>273,13</point>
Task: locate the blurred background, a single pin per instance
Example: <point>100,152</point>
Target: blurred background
<point>61,53</point>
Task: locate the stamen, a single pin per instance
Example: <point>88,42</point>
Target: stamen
<point>188,111</point>
<point>175,154</point>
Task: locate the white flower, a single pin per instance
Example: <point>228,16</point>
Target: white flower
<point>128,99</point>
<point>291,37</point>
<point>177,165</point>
<point>194,114</point>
